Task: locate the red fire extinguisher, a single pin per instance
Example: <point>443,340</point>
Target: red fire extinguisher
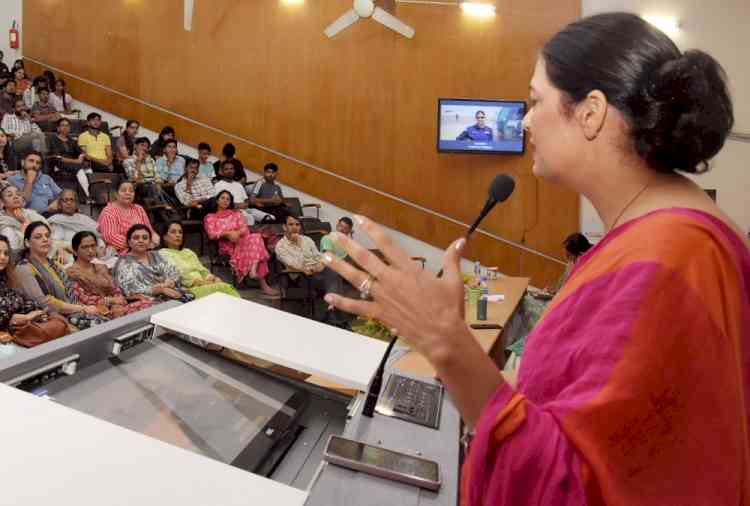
<point>13,36</point>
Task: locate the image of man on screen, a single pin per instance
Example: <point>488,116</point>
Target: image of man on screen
<point>479,132</point>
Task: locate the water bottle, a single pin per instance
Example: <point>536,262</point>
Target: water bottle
<point>482,308</point>
<point>483,299</point>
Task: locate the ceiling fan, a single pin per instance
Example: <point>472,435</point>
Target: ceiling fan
<point>366,9</point>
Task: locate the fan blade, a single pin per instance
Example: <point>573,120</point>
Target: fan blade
<point>346,20</point>
<point>393,23</point>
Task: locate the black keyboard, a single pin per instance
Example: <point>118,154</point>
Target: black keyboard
<point>411,400</point>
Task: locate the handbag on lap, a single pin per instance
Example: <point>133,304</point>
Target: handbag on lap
<point>39,331</point>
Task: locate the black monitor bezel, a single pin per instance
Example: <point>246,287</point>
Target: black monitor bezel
<point>479,152</point>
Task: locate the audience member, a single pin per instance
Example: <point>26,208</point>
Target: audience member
<point>47,284</point>
<point>8,98</point>
<point>140,167</point>
<point>120,216</point>
<point>144,272</point>
<point>50,77</point>
<point>575,245</point>
<point>96,145</point>
<point>31,95</point>
<point>206,168</point>
<point>194,190</point>
<point>298,252</point>
<point>247,253</point>
<point>25,134</point>
<point>534,302</point>
<point>126,142</point>
<point>68,223</point>
<point>193,273</point>
<point>22,83</point>
<point>14,218</point>
<point>266,194</point>
<point>18,64</point>
<point>345,227</point>
<point>170,167</point>
<point>4,70</point>
<point>61,99</point>
<point>227,155</point>
<point>66,157</point>
<point>141,170</point>
<point>42,110</point>
<point>16,310</point>
<point>226,182</point>
<point>92,284</point>
<point>38,189</point>
<point>8,162</point>
<point>167,134</point>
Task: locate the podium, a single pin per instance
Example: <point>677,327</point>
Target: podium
<point>308,346</point>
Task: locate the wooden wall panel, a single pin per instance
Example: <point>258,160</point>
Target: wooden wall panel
<point>362,105</point>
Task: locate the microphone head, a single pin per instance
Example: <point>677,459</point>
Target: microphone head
<point>502,187</point>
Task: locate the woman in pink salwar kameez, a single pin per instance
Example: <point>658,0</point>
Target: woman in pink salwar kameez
<point>247,253</point>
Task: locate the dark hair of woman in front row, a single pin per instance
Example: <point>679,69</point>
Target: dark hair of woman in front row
<point>677,105</point>
<point>80,236</point>
<point>575,244</point>
<point>135,228</point>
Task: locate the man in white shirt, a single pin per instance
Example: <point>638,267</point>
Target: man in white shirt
<point>26,135</point>
<point>298,252</point>
<point>194,190</point>
<point>241,201</point>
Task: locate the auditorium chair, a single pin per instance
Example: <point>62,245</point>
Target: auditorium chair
<point>294,286</point>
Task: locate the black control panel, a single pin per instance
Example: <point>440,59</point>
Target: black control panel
<point>411,400</point>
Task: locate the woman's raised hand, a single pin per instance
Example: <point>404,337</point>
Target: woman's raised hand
<point>425,309</point>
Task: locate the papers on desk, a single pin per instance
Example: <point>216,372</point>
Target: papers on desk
<point>496,297</point>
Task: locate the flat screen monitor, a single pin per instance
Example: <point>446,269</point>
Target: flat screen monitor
<point>480,126</point>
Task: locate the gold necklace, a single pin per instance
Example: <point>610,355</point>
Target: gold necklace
<point>630,202</point>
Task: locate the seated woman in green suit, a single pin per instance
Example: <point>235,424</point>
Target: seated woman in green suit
<point>194,275</point>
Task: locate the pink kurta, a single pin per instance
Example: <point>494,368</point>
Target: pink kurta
<point>247,252</point>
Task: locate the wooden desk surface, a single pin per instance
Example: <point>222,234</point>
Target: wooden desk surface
<point>497,312</point>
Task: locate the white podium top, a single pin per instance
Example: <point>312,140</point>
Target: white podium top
<point>56,455</point>
<point>285,339</point>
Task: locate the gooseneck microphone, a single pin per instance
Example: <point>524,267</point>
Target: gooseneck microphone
<point>373,393</point>
<point>501,188</point>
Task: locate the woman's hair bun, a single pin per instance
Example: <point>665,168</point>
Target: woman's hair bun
<point>683,114</point>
